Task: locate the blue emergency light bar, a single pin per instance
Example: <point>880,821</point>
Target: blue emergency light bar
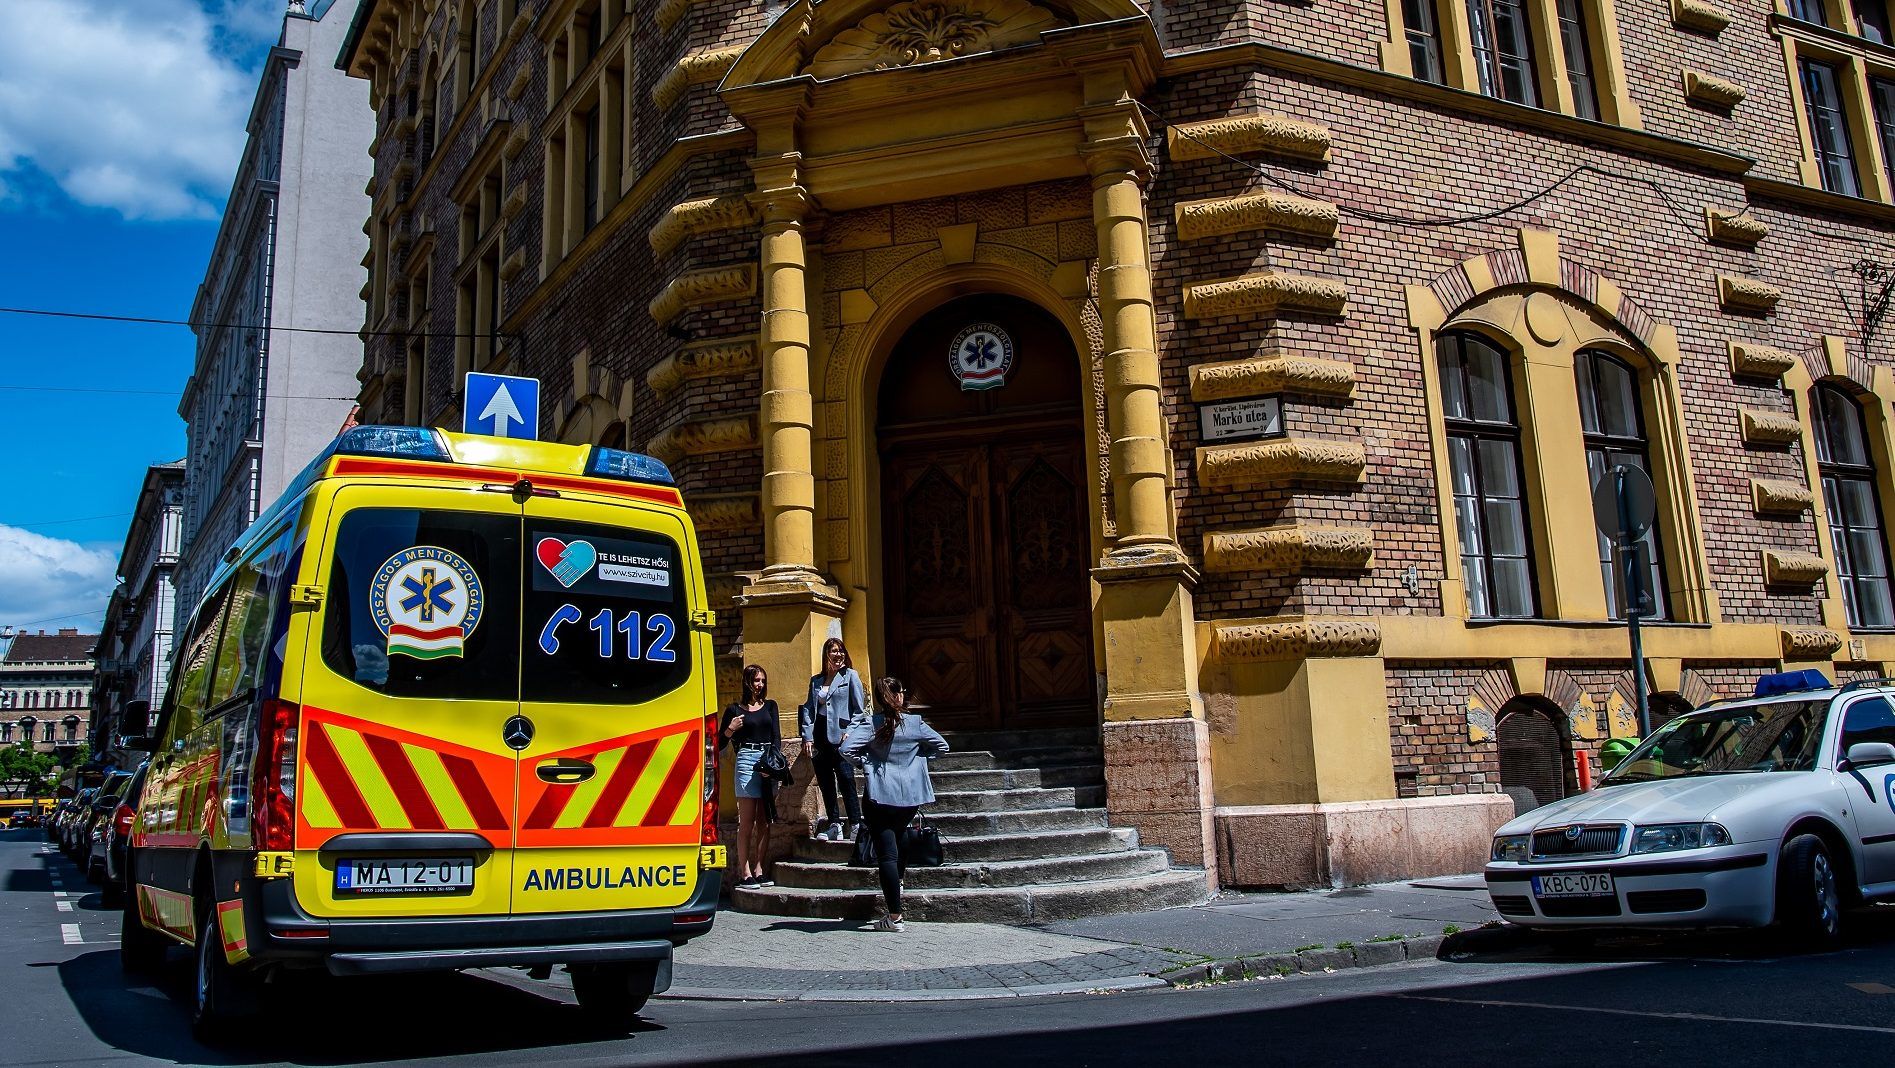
<point>407,442</point>
<point>1792,682</point>
<point>628,466</point>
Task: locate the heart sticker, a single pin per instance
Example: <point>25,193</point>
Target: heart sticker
<point>569,561</point>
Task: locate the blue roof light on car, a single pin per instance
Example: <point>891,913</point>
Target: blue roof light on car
<point>629,466</point>
<point>408,442</point>
<point>1792,682</point>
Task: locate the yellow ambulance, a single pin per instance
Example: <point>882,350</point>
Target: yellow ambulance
<point>448,704</point>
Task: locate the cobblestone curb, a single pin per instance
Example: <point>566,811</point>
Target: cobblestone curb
<point>1103,986</point>
<point>1363,955</point>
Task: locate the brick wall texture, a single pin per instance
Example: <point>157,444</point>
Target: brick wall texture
<point>1635,217</point>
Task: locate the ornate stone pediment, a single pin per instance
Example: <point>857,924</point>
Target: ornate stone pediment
<point>930,31</point>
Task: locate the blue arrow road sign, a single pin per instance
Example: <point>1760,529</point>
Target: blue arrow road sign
<point>501,406</point>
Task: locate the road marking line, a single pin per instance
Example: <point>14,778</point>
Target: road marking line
<point>1873,988</point>
<point>59,893</point>
<point>70,932</point>
<point>63,906</point>
<point>1697,1017</point>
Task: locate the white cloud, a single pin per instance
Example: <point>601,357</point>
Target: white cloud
<point>48,579</point>
<point>137,106</point>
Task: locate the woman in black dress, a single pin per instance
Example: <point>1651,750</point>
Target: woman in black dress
<point>750,728</point>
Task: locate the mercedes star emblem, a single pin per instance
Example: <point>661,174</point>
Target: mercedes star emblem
<point>518,733</point>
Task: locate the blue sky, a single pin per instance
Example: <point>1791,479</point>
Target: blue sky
<point>121,122</point>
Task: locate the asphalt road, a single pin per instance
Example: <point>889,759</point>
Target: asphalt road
<point>1705,1001</point>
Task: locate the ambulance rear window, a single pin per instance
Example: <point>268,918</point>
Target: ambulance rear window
<point>606,618</point>
<point>425,603</point>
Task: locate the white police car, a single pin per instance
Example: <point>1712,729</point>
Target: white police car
<point>1773,809</point>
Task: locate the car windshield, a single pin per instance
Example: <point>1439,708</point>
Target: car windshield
<point>1779,736</point>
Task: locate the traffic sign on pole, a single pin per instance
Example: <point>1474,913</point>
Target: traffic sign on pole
<point>501,406</point>
<point>1624,506</point>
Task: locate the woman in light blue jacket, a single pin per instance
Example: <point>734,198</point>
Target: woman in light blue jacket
<point>894,748</point>
<point>836,700</point>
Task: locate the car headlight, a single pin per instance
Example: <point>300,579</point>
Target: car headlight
<point>1667,837</point>
<point>1511,848</point>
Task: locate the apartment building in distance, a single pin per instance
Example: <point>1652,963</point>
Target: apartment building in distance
<point>46,689</point>
<point>270,388</point>
<point>1216,385</point>
<point>134,653</point>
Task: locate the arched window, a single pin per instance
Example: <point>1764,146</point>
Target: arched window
<point>1614,425</point>
<point>1666,707</point>
<point>1484,466</point>
<point>1855,515</point>
<point>1532,752</point>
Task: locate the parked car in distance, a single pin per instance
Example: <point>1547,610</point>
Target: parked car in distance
<point>1776,809</point>
<point>97,817</point>
<point>76,811</point>
<point>25,818</point>
<point>115,831</point>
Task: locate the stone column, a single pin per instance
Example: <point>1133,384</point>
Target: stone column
<point>1157,749</point>
<point>790,609</point>
<point>788,415</point>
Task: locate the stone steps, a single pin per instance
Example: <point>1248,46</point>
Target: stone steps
<point>998,847</point>
<point>984,779</point>
<point>948,801</point>
<point>1035,903</point>
<point>1022,817</point>
<point>1122,864</point>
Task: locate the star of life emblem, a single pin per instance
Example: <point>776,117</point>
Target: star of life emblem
<point>981,356</point>
<point>426,600</point>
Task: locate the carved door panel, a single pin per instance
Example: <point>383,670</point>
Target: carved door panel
<point>940,597</point>
<point>1043,595</point>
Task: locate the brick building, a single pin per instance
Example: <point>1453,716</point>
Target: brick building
<point>46,690</point>
<point>1475,250</point>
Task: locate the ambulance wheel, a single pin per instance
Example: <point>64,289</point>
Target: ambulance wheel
<point>611,995</point>
<point>141,950</point>
<point>223,997</point>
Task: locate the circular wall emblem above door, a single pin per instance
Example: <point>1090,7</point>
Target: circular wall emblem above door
<point>981,356</point>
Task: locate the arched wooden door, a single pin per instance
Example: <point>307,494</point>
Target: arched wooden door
<point>986,541</point>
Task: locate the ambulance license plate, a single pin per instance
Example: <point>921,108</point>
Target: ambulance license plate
<point>441,875</point>
<point>1576,884</point>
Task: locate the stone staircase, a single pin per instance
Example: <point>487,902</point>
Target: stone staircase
<point>1026,839</point>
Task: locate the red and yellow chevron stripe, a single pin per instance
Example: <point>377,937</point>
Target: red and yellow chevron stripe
<point>645,791</point>
<point>363,776</point>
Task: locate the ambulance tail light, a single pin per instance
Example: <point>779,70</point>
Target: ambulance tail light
<point>709,833</point>
<point>628,467</point>
<point>274,789</point>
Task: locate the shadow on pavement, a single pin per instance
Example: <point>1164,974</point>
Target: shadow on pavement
<point>317,1019</point>
<point>1506,943</point>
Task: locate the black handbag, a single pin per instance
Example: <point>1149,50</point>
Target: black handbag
<point>864,854</point>
<point>775,767</point>
<point>921,846</point>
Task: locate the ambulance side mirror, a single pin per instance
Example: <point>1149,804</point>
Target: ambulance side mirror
<point>1871,754</point>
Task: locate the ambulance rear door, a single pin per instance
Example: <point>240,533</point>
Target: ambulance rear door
<point>613,683</point>
<point>405,794</point>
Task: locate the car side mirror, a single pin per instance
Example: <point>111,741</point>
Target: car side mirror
<point>1870,754</point>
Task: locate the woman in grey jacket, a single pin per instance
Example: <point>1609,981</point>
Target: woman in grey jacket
<point>894,748</point>
<point>835,701</point>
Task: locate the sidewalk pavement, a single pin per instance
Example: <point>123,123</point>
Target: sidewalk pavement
<point>774,958</point>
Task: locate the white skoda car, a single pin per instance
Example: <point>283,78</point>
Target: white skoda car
<point>1775,809</point>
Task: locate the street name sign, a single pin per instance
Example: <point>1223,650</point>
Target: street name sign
<point>1242,420</point>
<point>501,406</point>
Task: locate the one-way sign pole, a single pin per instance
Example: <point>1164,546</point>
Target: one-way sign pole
<point>1623,506</point>
<point>1634,585</point>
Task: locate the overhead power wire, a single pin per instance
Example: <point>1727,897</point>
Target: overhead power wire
<point>1431,222</point>
<point>61,522</point>
<point>6,387</point>
<point>146,320</point>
